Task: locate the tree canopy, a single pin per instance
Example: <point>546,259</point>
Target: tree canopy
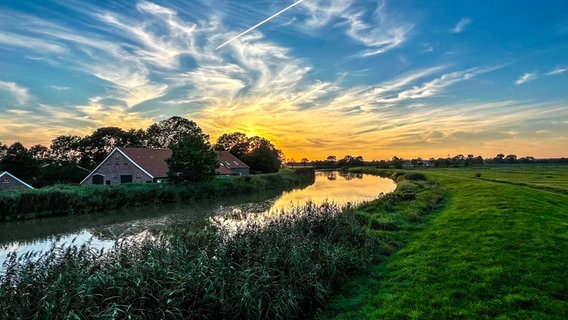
<point>193,160</point>
<point>257,152</point>
<point>19,161</point>
<point>165,133</point>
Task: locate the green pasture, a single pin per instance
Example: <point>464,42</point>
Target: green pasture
<point>497,249</point>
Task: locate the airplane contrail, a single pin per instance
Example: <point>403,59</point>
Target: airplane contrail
<point>259,24</point>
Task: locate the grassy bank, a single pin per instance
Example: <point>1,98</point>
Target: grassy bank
<point>497,249</point>
<point>284,270</point>
<point>72,200</point>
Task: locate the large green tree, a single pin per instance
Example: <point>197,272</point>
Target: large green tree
<point>20,162</point>
<point>166,133</point>
<point>96,147</point>
<point>3,149</point>
<point>259,153</point>
<point>265,158</point>
<point>193,160</point>
<point>237,143</point>
<point>65,148</point>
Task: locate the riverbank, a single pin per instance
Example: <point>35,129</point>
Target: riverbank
<point>74,200</point>
<point>496,249</point>
<point>285,269</point>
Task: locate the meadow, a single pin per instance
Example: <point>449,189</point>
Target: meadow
<point>495,250</point>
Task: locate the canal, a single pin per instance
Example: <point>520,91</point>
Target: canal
<point>102,230</point>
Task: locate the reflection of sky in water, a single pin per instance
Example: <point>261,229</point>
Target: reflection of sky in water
<point>339,188</point>
<point>61,241</point>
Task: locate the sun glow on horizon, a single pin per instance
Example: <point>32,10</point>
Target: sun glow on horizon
<point>322,78</point>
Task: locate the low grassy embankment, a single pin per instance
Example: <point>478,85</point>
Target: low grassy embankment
<point>72,200</point>
<point>495,250</point>
<point>285,269</point>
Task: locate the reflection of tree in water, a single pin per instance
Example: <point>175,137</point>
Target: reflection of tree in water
<point>123,230</point>
<point>350,176</point>
<point>243,211</point>
<point>332,176</point>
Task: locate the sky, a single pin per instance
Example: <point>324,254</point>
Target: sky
<point>316,77</point>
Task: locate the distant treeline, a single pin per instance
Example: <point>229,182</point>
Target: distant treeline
<point>74,200</point>
<point>398,163</point>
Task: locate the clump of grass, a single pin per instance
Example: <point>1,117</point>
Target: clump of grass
<point>282,269</point>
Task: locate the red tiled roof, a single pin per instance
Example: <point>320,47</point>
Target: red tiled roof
<point>229,161</point>
<point>151,160</point>
<point>223,170</point>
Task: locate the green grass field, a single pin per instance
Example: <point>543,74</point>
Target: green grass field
<point>497,249</point>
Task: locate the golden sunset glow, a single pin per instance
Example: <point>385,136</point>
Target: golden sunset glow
<point>318,78</point>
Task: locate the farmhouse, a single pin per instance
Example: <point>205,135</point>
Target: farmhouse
<point>10,182</point>
<point>229,165</point>
<point>126,165</point>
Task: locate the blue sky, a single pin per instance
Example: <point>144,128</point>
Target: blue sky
<point>370,78</point>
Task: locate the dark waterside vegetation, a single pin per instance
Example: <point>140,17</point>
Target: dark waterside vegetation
<point>495,250</point>
<point>286,269</point>
<point>73,200</point>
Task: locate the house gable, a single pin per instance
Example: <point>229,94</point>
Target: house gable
<point>125,165</point>
<point>9,181</point>
<point>116,167</point>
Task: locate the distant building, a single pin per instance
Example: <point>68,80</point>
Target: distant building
<point>10,182</point>
<point>229,165</point>
<point>137,165</point>
<point>127,165</point>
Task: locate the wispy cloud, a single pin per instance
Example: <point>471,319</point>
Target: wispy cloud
<point>22,41</point>
<point>460,26</point>
<point>379,32</point>
<point>526,77</point>
<point>556,71</point>
<point>19,93</point>
<point>59,88</point>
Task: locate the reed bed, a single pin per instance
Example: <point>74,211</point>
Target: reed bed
<point>281,269</point>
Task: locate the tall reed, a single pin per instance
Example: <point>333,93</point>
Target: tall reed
<point>277,270</point>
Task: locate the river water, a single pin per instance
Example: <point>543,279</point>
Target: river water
<point>102,230</point>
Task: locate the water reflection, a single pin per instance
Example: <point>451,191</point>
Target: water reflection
<point>339,188</point>
<point>104,229</point>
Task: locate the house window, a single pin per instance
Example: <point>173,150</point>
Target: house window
<point>126,165</point>
<point>236,163</point>
<point>117,167</point>
<point>98,179</point>
<point>6,180</point>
